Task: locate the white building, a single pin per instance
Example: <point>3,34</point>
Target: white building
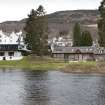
<point>11,45</point>
<point>61,42</point>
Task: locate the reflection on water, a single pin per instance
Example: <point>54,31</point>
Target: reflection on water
<point>50,88</point>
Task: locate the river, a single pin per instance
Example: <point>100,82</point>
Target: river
<point>24,87</point>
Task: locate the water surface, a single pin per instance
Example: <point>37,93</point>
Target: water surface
<point>19,87</point>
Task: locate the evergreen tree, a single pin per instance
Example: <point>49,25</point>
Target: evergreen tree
<point>36,32</point>
<point>101,24</point>
<point>76,35</point>
<point>86,39</point>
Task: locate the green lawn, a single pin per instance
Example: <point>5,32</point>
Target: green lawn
<point>35,63</point>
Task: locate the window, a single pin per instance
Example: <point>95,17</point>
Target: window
<point>1,53</point>
<point>87,49</point>
<point>90,49</point>
<point>72,50</point>
<point>11,53</point>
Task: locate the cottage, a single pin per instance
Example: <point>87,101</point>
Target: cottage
<point>69,53</point>
<point>11,45</point>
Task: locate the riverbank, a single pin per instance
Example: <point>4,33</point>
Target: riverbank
<point>85,67</point>
<point>46,63</point>
<point>35,63</point>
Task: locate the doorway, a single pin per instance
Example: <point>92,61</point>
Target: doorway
<point>4,58</point>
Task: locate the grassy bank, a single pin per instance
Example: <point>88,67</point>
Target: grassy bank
<point>46,63</point>
<point>85,67</point>
<point>35,63</point>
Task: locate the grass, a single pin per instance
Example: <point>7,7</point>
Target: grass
<point>35,63</point>
<point>47,63</point>
<point>85,67</point>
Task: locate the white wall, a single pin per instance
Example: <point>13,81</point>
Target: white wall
<point>17,56</point>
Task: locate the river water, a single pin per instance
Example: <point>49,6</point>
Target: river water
<point>19,87</point>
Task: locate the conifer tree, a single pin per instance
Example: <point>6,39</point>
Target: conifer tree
<point>76,35</point>
<point>101,24</point>
<point>86,39</point>
<point>36,31</point>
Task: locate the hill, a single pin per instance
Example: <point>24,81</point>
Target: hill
<point>61,22</point>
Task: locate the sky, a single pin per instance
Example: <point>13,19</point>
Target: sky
<point>11,10</point>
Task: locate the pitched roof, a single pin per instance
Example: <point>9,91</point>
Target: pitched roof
<point>89,49</point>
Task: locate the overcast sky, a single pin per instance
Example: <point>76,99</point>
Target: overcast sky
<point>18,9</point>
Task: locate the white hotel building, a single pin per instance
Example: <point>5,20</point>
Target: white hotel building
<point>11,45</point>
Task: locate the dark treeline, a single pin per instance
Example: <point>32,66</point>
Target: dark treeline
<point>81,38</point>
<point>101,24</point>
<point>37,32</point>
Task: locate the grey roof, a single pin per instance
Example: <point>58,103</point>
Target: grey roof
<point>8,47</point>
<point>61,49</point>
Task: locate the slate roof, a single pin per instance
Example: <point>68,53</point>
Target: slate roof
<point>61,49</point>
<point>7,47</point>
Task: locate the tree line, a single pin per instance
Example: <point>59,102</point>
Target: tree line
<point>101,24</point>
<point>37,31</point>
<point>81,38</point>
